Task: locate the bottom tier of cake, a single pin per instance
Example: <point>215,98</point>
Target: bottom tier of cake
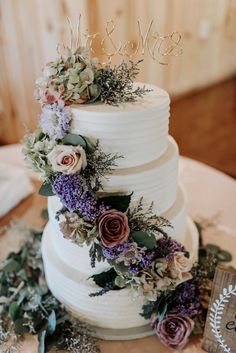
<point>114,315</point>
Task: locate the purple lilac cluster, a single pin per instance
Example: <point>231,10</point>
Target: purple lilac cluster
<point>144,263</point>
<point>187,298</point>
<point>113,253</point>
<point>55,120</point>
<point>166,247</point>
<point>74,196</point>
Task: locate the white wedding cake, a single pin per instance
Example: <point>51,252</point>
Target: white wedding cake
<point>137,131</point>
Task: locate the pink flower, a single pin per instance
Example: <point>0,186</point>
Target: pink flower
<point>113,228</point>
<point>51,97</point>
<point>174,330</point>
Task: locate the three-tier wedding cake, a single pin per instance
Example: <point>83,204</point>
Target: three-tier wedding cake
<point>137,131</point>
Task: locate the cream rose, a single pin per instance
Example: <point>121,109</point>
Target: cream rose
<point>180,265</point>
<point>67,159</point>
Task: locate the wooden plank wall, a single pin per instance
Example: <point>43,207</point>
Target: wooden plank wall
<point>31,29</point>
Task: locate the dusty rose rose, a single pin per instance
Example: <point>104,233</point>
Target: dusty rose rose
<point>174,330</point>
<point>67,159</point>
<point>113,228</point>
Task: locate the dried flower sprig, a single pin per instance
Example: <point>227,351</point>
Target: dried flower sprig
<point>116,84</point>
<point>145,219</point>
<point>100,165</point>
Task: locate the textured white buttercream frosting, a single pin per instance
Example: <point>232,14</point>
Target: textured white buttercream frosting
<point>137,131</point>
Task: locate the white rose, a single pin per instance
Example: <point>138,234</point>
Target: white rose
<point>180,265</point>
<point>67,159</point>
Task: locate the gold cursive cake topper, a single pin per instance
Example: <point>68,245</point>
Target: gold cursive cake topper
<point>150,41</point>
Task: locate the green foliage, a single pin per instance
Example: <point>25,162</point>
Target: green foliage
<point>99,166</point>
<point>116,84</point>
<point>118,202</point>
<point>143,239</point>
<point>46,189</point>
<point>27,305</point>
<point>74,140</point>
<point>144,219</point>
<point>103,278</point>
<point>158,307</point>
<point>120,281</point>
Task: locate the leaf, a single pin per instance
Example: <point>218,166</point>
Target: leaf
<point>78,140</point>
<point>52,323</point>
<point>13,310</point>
<point>44,214</point>
<point>103,278</point>
<point>144,239</point>
<point>162,308</point>
<point>46,189</point>
<point>74,140</point>
<point>21,326</point>
<point>94,96</point>
<point>89,146</point>
<point>118,202</point>
<point>41,339</point>
<point>120,282</point>
<point>24,253</point>
<point>11,265</point>
<point>212,248</point>
<point>149,309</point>
<point>22,274</point>
<point>224,256</point>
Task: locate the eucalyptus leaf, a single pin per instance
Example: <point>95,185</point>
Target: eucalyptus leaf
<point>103,278</point>
<point>214,249</point>
<point>162,309</point>
<point>46,189</point>
<point>89,146</point>
<point>118,202</point>
<point>224,256</point>
<point>74,140</point>
<point>11,265</point>
<point>143,239</point>
<point>24,254</point>
<point>41,340</point>
<point>95,92</point>
<point>52,323</point>
<point>13,310</point>
<point>120,282</point>
<point>22,274</point>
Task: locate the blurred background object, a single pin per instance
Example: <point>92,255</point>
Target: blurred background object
<point>203,119</point>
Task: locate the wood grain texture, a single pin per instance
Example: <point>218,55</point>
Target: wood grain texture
<point>31,30</point>
<point>204,126</point>
<point>227,319</point>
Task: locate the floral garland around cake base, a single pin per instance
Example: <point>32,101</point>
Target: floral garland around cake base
<point>28,306</point>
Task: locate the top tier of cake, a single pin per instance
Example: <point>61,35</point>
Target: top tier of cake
<point>138,132</point>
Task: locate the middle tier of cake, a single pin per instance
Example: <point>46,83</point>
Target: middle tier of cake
<point>156,182</point>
